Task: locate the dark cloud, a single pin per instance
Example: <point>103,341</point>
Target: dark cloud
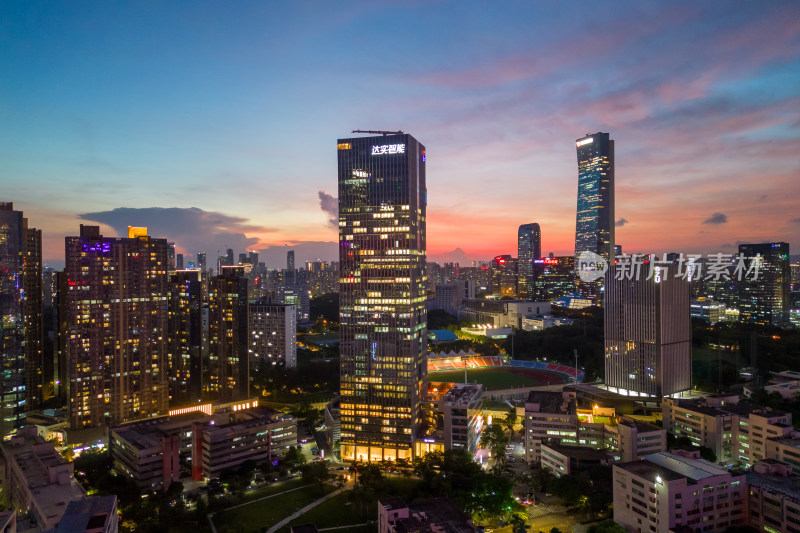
<point>795,221</point>
<point>621,222</point>
<point>191,229</point>
<point>716,218</point>
<point>329,204</point>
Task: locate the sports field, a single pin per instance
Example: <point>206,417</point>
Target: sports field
<point>499,378</point>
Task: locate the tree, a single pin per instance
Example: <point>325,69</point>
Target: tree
<point>567,488</point>
<point>494,438</point>
<point>317,473</point>
<point>510,421</point>
<point>609,526</point>
<point>541,479</point>
<point>708,454</point>
<point>370,475</point>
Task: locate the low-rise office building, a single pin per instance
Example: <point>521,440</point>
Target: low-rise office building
<point>152,451</point>
<point>565,460</point>
<point>785,450</point>
<point>549,415</point>
<point>438,515</point>
<point>736,433</point>
<point>97,514</point>
<point>37,482</point>
<point>553,416</point>
<point>774,502</point>
<point>455,418</point>
<point>500,313</point>
<point>630,439</point>
<point>333,422</point>
<point>665,492</point>
<point>257,434</point>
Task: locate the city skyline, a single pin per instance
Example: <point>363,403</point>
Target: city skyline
<point>224,139</point>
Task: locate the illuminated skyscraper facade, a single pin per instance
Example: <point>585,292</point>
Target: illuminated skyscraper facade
<point>765,299</point>
<point>504,277</point>
<point>228,369</point>
<point>529,248</point>
<point>116,321</point>
<point>185,337</point>
<point>382,293</point>
<point>648,334</point>
<point>594,225</point>
<point>21,358</point>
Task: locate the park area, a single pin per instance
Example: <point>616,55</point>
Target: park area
<point>500,378</point>
<point>259,514</point>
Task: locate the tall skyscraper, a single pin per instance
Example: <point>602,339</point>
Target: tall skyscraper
<point>290,260</point>
<point>594,225</point>
<point>228,373</point>
<point>529,248</point>
<point>504,277</point>
<point>21,360</point>
<point>765,299</point>
<point>648,334</point>
<point>382,291</point>
<point>116,319</point>
<point>185,337</point>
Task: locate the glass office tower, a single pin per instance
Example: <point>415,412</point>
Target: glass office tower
<point>764,299</point>
<point>648,332</point>
<point>382,201</point>
<point>594,225</point>
<point>529,248</point>
<point>21,356</point>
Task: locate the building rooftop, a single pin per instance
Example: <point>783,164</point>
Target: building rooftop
<point>693,469</point>
<point>443,335</point>
<point>580,453</point>
<point>787,486</point>
<point>88,514</point>
<point>670,467</point>
<point>742,409</point>
<point>641,427</point>
<point>436,515</point>
<point>47,475</point>
<point>552,402</point>
<point>791,442</point>
<point>462,395</point>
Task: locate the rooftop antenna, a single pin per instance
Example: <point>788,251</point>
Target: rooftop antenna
<point>378,132</point>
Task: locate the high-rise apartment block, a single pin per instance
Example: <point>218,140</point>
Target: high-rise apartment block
<point>382,291</point>
<point>228,376</point>
<point>21,355</point>
<point>764,291</point>
<point>116,320</point>
<point>529,249</point>
<point>272,335</point>
<point>648,335</point>
<point>186,354</point>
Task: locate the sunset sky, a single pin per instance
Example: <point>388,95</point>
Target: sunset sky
<point>215,123</point>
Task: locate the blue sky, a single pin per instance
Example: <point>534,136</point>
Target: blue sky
<point>229,112</point>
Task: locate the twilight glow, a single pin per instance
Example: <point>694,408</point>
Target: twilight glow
<point>225,116</point>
